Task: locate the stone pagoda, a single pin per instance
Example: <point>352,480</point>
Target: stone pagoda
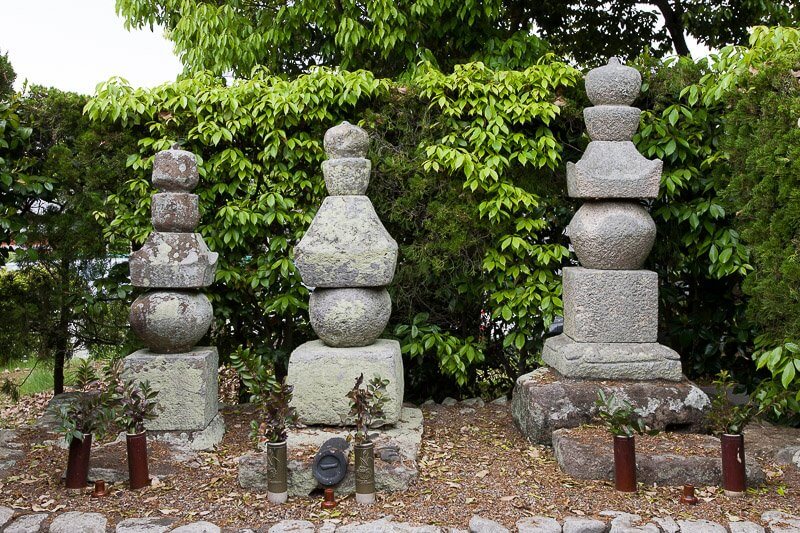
<point>349,258</point>
<point>610,304</point>
<point>173,315</point>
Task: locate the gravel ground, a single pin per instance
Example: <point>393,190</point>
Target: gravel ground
<point>473,461</point>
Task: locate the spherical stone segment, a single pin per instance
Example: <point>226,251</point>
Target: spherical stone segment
<point>175,171</point>
<point>346,140</point>
<point>613,84</point>
<point>347,176</point>
<point>345,318</point>
<point>175,212</point>
<point>171,321</point>
<point>612,235</point>
<point>611,122</point>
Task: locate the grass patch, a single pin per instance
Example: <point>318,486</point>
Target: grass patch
<point>40,378</point>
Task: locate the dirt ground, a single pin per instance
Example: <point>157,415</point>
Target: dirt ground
<point>471,462</point>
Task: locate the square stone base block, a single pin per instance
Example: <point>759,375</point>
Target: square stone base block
<point>187,385</point>
<point>612,360</point>
<point>610,305</point>
<point>322,376</point>
<point>545,401</point>
<point>196,441</point>
<point>396,451</point>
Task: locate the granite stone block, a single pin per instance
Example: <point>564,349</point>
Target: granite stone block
<point>612,235</point>
<point>349,317</point>
<point>346,245</point>
<point>613,169</point>
<point>173,261</point>
<point>322,376</point>
<point>187,384</point>
<point>605,306</point>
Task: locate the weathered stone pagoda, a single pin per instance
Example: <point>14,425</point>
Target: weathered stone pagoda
<point>173,315</point>
<point>349,258</point>
<point>610,331</point>
<point>610,305</point>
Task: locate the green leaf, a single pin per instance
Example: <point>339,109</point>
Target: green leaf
<point>787,376</point>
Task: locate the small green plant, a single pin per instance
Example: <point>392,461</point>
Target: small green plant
<point>133,403</point>
<point>278,414</point>
<point>366,405</point>
<point>724,417</point>
<point>91,411</point>
<point>271,397</point>
<point>619,416</point>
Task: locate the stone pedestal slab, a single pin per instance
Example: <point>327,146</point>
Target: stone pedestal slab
<point>610,305</point>
<point>613,169</point>
<point>587,460</point>
<point>396,451</point>
<point>187,384</point>
<point>595,360</point>
<point>322,376</point>
<point>173,261</point>
<point>545,401</point>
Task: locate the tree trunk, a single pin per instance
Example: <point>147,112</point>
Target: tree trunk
<point>62,329</point>
<point>673,21</point>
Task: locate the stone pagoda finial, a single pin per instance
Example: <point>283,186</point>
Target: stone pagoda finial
<point>349,258</point>
<point>610,307</point>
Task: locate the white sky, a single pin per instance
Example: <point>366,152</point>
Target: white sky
<point>75,44</point>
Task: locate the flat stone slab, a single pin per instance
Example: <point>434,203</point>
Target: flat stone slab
<point>29,523</point>
<point>613,169</point>
<point>145,525</point>
<point>187,385</point>
<point>396,450</point>
<point>610,305</point>
<point>203,439</point>
<point>545,401</point>
<point>644,361</point>
<point>198,527</point>
<point>173,261</point>
<point>585,458</point>
<point>346,245</point>
<point>74,521</point>
<point>322,376</point>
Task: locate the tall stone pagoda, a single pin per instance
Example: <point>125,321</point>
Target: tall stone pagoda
<point>349,258</point>
<point>173,315</point>
<point>610,304</point>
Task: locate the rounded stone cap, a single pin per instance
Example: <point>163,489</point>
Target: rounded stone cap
<point>346,140</point>
<point>611,122</point>
<point>613,84</point>
<point>175,171</point>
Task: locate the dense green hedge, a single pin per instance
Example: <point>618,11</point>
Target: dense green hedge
<point>469,179</point>
<point>466,180</point>
<point>762,144</point>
